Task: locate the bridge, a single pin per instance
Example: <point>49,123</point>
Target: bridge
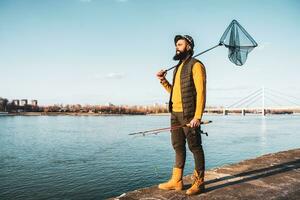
<point>261,101</point>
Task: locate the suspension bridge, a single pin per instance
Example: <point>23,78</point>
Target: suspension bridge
<point>262,101</point>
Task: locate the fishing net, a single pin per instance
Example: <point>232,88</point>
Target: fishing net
<point>237,40</point>
<point>239,43</point>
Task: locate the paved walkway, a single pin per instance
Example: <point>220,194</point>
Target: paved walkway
<point>271,176</point>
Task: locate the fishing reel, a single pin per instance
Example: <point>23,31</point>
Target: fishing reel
<point>202,132</point>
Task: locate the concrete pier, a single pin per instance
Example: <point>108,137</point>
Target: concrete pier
<point>271,176</point>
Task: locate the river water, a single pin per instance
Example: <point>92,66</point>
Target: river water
<point>65,157</point>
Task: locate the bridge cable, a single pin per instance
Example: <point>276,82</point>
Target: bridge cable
<point>249,99</point>
<point>241,100</point>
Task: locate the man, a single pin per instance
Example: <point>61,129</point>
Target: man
<point>186,104</point>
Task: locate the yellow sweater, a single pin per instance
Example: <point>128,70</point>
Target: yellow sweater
<point>199,76</point>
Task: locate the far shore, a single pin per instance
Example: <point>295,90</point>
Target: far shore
<point>110,114</point>
<point>64,114</point>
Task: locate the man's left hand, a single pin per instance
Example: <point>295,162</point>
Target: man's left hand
<point>194,123</point>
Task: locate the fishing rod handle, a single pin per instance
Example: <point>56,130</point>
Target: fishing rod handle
<point>202,122</point>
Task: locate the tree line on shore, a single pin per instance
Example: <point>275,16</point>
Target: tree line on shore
<point>11,107</point>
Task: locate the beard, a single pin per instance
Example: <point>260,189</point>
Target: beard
<point>181,55</point>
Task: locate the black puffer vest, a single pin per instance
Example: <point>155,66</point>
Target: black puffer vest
<point>188,90</point>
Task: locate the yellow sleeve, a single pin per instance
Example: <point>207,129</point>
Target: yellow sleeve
<point>199,76</point>
<point>166,85</point>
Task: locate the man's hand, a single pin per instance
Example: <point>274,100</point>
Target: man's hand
<point>194,123</point>
<point>161,75</point>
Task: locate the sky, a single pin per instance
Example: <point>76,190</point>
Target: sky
<point>100,51</point>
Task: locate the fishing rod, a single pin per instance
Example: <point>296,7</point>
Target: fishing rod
<point>155,131</point>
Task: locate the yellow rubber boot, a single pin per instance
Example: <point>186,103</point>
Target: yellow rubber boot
<point>175,183</point>
<point>197,186</point>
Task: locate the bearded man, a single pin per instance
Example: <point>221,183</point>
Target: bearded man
<point>186,104</point>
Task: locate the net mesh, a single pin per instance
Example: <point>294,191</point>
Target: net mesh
<point>238,42</point>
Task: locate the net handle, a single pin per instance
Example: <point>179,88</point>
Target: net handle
<point>220,44</point>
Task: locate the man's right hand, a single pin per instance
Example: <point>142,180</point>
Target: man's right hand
<point>161,75</point>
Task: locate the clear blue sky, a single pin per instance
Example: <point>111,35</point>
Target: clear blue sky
<point>99,51</point>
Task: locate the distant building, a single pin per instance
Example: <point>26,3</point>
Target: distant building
<point>24,102</point>
<point>16,102</point>
<point>34,102</point>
